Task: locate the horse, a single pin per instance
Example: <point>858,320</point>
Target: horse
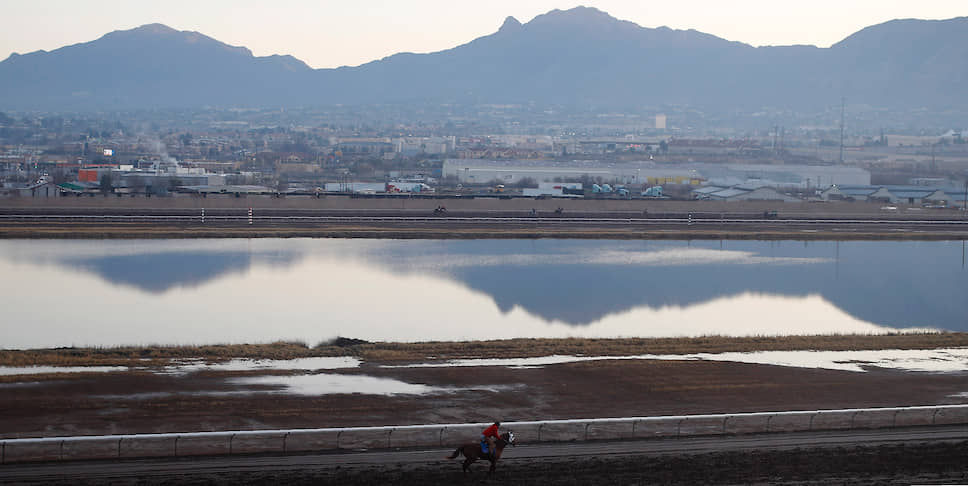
<point>472,452</point>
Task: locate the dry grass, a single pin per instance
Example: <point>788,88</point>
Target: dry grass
<point>510,348</point>
<point>160,231</point>
<point>159,355</point>
<point>633,346</point>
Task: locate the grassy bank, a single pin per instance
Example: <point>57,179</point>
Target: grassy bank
<point>63,231</point>
<point>510,348</point>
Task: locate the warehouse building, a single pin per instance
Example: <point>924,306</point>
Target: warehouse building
<point>949,196</point>
<point>477,171</point>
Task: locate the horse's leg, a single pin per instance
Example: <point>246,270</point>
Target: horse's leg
<point>493,465</point>
<point>467,463</point>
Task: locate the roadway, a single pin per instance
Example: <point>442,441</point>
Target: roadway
<point>521,457</point>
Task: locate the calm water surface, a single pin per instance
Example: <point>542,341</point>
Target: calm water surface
<point>105,293</point>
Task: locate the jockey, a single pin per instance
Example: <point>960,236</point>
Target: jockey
<point>490,435</point>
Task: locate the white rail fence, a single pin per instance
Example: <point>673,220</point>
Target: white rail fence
<point>452,435</point>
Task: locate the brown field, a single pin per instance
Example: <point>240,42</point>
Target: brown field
<point>143,400</point>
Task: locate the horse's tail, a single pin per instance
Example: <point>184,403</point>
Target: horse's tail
<point>455,455</point>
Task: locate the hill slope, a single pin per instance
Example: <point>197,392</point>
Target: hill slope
<point>580,57</point>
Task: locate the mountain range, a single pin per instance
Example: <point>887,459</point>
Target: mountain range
<point>580,57</point>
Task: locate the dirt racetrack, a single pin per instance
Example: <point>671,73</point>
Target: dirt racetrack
<point>903,464</point>
<point>906,463</point>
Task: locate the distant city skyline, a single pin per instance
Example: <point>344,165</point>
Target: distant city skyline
<point>334,33</point>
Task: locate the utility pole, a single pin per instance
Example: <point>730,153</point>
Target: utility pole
<point>843,109</point>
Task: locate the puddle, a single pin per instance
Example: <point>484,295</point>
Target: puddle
<point>923,360</point>
<point>244,364</point>
<point>23,384</point>
<point>192,366</point>
<point>328,384</point>
<point>933,360</point>
<point>159,395</point>
<point>136,396</point>
<point>37,370</point>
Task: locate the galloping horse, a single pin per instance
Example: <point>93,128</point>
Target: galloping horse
<point>472,452</point>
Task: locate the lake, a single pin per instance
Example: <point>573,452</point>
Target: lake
<point>142,292</point>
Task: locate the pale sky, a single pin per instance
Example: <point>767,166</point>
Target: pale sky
<point>332,33</point>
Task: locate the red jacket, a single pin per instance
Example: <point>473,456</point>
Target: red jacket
<point>491,431</point>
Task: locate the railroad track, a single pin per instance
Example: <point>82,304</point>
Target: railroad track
<point>444,220</point>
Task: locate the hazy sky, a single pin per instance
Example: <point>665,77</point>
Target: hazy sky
<point>331,33</point>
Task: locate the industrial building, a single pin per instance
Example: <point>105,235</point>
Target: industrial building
<point>718,193</point>
<point>946,196</point>
<point>37,189</point>
<point>476,171</point>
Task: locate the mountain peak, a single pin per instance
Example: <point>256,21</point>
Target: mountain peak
<point>155,28</point>
<point>510,24</point>
<point>574,15</point>
<point>587,20</point>
<point>941,32</point>
<point>162,33</point>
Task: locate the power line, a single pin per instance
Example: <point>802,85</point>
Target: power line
<point>843,109</point>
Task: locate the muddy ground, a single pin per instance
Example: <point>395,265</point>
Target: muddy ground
<point>147,402</point>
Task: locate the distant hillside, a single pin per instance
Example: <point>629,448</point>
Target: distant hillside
<point>150,66</point>
<point>914,62</point>
<point>581,57</point>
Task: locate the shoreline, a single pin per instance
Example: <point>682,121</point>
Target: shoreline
<point>386,352</point>
<point>470,218</point>
<point>54,231</point>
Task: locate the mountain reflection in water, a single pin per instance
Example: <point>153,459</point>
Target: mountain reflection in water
<point>157,273</point>
<point>200,291</point>
<point>896,284</point>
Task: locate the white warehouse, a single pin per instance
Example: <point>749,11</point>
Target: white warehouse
<point>477,171</point>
